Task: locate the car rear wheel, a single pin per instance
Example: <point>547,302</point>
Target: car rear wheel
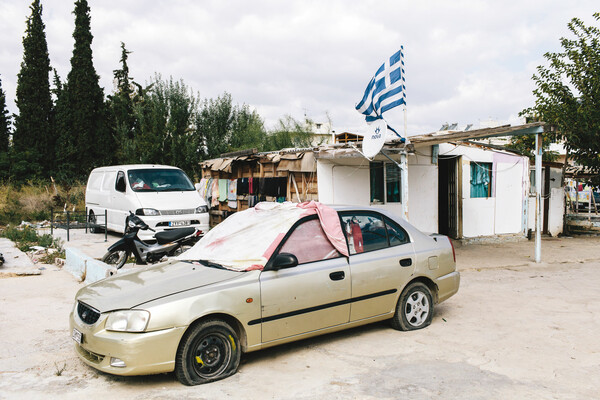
<point>209,351</point>
<point>414,309</point>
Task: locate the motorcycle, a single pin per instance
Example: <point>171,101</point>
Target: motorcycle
<point>168,243</point>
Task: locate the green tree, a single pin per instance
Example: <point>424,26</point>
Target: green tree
<point>4,135</point>
<point>567,94</point>
<point>34,137</point>
<point>214,124</point>
<point>247,129</point>
<point>289,133</point>
<point>165,113</point>
<point>84,139</point>
<point>121,112</point>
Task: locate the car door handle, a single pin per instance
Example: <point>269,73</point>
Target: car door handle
<point>406,262</point>
<point>337,276</point>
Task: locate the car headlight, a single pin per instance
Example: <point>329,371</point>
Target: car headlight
<point>127,321</point>
<point>147,211</point>
<point>201,209</point>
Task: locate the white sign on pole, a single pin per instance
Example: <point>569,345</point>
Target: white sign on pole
<point>375,138</point>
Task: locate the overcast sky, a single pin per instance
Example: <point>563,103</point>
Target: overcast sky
<point>467,61</point>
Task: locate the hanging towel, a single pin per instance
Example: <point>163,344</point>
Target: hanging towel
<point>232,193</point>
<point>223,183</point>
<point>215,193</point>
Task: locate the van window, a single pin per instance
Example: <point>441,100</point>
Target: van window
<point>95,180</point>
<point>108,181</point>
<point>120,186</point>
<point>159,180</point>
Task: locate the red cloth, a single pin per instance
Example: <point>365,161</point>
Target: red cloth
<point>330,222</point>
<point>357,237</point>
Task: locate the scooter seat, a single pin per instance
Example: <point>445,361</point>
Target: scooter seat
<point>172,235</point>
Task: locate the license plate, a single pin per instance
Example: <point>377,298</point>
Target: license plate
<point>77,336</point>
<point>179,223</point>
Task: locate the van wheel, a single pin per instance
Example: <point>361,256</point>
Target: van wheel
<point>93,223</point>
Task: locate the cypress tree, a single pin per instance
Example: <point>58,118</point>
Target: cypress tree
<point>4,122</point>
<point>33,139</point>
<point>121,110</point>
<point>4,135</point>
<point>84,137</point>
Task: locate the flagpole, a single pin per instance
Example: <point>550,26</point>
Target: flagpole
<point>404,155</point>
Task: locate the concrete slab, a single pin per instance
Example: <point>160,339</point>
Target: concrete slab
<point>83,253</point>
<point>16,262</point>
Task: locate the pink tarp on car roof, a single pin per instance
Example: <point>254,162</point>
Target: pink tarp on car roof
<point>247,239</point>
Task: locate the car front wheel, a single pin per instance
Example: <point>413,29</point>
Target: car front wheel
<point>208,352</point>
<point>414,309</point>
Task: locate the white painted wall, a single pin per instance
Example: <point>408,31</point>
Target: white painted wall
<point>503,212</point>
<point>557,203</point>
<point>347,181</point>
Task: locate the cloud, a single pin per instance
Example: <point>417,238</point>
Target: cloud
<point>465,60</point>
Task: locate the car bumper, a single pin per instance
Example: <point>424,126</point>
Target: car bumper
<point>447,285</point>
<point>142,353</point>
<point>163,222</point>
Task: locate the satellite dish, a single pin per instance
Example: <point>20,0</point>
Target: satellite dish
<point>375,138</point>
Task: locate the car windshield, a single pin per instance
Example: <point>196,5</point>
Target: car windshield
<point>244,240</point>
<point>159,180</point>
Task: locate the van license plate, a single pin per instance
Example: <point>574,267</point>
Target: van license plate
<point>77,336</point>
<point>179,223</point>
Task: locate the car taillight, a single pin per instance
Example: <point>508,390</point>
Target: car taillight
<point>452,245</point>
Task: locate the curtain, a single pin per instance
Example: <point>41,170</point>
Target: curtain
<point>480,179</point>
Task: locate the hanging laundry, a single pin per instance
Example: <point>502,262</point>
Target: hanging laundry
<point>223,190</point>
<point>242,186</point>
<point>215,193</point>
<point>232,193</point>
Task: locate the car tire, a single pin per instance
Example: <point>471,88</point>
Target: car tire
<point>116,258</point>
<point>209,351</point>
<point>414,309</point>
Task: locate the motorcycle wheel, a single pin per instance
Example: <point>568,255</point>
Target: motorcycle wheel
<point>181,249</point>
<point>116,258</point>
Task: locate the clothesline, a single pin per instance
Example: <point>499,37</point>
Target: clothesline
<point>216,191</point>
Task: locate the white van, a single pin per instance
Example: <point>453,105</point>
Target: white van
<point>163,196</point>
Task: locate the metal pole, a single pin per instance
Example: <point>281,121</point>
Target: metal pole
<point>52,222</point>
<point>68,223</point>
<point>105,226</point>
<point>404,183</point>
<point>538,198</point>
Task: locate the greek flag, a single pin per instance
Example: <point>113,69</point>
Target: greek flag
<point>386,89</point>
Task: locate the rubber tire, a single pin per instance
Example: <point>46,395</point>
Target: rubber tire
<point>92,220</point>
<point>121,255</point>
<point>399,320</point>
<point>181,249</point>
<point>185,360</point>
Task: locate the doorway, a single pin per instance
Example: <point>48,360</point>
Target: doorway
<point>448,196</point>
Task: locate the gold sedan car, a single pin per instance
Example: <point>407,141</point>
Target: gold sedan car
<point>265,276</point>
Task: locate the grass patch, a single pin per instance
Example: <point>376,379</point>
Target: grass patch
<point>27,237</point>
<point>32,202</point>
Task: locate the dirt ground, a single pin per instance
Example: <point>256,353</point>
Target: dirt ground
<point>514,330</point>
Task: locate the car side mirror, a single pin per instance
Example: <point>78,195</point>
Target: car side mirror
<point>284,260</point>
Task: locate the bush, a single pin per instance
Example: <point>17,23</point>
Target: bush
<point>32,202</point>
<point>27,237</point>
